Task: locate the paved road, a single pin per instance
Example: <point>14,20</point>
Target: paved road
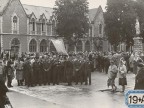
<point>96,95</point>
<point>19,100</point>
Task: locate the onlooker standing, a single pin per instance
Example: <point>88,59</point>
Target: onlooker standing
<point>10,73</point>
<point>139,80</point>
<point>112,73</point>
<point>4,100</point>
<point>122,74</point>
<point>131,62</point>
<point>19,72</point>
<point>135,59</point>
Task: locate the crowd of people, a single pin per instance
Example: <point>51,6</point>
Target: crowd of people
<point>122,65</point>
<point>46,69</point>
<point>52,68</point>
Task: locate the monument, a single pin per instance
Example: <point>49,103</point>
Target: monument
<point>138,46</point>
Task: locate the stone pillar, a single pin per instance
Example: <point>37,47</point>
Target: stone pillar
<point>48,45</point>
<point>1,36</point>
<point>138,46</point>
<point>66,47</point>
<point>92,45</point>
<point>75,49</point>
<point>38,45</point>
<point>83,45</point>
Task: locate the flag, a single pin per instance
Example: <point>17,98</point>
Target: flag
<point>59,45</point>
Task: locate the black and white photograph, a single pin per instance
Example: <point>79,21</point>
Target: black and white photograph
<point>71,53</point>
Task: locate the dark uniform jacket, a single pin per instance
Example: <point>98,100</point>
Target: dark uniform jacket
<point>3,98</point>
<point>139,81</point>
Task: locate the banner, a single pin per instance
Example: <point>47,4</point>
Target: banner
<point>59,45</point>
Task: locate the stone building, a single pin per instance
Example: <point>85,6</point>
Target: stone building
<point>28,28</point>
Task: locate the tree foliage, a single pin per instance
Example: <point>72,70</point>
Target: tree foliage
<point>71,17</point>
<point>120,19</point>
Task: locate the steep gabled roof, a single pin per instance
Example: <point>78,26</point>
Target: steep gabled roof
<point>38,10</point>
<point>92,13</point>
<point>3,5</point>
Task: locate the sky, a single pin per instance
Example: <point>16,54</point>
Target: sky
<point>51,3</point>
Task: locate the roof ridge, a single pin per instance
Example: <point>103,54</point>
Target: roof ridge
<point>37,6</point>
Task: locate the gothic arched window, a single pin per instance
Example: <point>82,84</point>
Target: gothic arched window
<point>100,29</point>
<point>15,24</point>
<point>33,46</point>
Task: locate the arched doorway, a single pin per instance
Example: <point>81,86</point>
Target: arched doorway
<point>79,46</point>
<point>15,46</point>
<point>87,46</point>
<point>52,47</point>
<point>33,46</point>
<point>43,46</point>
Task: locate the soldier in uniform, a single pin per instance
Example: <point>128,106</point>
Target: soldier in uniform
<point>56,75</point>
<point>88,70</point>
<point>68,70</point>
<point>35,68</point>
<point>82,71</point>
<point>47,70</point>
<point>77,69</point>
<point>28,73</point>
<point>61,68</point>
<point>41,71</point>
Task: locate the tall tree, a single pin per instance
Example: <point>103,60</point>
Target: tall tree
<point>120,18</point>
<point>72,18</point>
